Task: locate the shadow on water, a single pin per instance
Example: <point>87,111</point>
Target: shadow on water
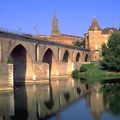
<point>78,90</point>
<point>67,95</point>
<point>111,81</point>
<point>43,102</point>
<point>13,106</point>
<point>49,104</point>
<point>20,97</point>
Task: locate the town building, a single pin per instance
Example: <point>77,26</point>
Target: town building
<point>56,36</point>
<point>95,37</point>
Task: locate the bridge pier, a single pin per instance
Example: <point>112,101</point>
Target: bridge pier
<point>65,69</point>
<point>6,77</point>
<point>77,65</point>
<point>35,60</point>
<point>41,73</point>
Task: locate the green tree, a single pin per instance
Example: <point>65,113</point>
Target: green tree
<point>111,53</point>
<point>10,60</point>
<point>75,74</point>
<point>82,69</point>
<point>79,43</point>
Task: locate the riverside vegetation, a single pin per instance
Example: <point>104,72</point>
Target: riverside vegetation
<point>107,68</point>
<point>93,72</point>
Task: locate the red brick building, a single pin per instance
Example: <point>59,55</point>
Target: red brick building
<point>56,36</point>
<point>95,37</point>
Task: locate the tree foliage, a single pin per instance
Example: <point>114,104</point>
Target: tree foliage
<point>75,74</point>
<point>111,53</point>
<point>10,60</point>
<point>82,69</point>
<point>79,43</point>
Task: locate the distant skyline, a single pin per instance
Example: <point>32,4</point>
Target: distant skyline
<point>74,16</point>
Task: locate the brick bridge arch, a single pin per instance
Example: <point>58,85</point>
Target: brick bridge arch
<point>49,57</point>
<point>66,53</point>
<point>30,50</point>
<point>36,51</point>
<point>22,64</point>
<point>66,57</point>
<point>54,51</point>
<point>68,60</point>
<point>41,50</point>
<point>86,57</point>
<point>77,59</point>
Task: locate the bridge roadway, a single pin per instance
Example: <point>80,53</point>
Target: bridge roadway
<point>26,59</point>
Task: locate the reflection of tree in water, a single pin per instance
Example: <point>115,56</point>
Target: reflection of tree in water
<point>83,80</point>
<point>111,94</point>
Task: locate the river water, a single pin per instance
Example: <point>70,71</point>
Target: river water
<point>62,100</point>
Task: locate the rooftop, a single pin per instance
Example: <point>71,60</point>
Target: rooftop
<point>94,25</point>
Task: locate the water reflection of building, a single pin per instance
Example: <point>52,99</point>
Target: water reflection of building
<point>36,102</point>
<point>96,37</point>
<point>96,102</point>
<point>6,106</point>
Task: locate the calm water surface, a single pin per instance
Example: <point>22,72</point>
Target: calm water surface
<point>62,100</point>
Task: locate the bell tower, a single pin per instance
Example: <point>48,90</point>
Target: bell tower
<point>55,29</point>
<point>94,26</point>
<point>94,40</point>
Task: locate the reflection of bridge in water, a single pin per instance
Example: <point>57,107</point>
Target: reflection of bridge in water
<point>36,102</point>
<point>36,60</point>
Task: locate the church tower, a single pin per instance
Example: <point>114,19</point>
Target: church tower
<point>95,35</point>
<point>55,29</point>
<point>94,26</point>
<point>94,39</point>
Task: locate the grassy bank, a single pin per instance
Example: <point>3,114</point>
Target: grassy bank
<point>94,72</point>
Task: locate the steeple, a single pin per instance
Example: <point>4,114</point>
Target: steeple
<point>94,25</point>
<point>55,29</point>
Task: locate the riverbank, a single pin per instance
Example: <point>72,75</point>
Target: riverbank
<point>94,72</point>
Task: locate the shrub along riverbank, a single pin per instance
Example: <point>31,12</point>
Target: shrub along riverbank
<point>93,72</point>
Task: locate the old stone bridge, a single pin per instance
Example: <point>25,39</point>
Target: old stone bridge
<point>26,59</point>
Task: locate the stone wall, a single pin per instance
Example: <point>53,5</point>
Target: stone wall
<point>77,65</point>
<point>3,75</point>
<point>30,67</point>
<point>62,69</point>
<point>41,71</point>
<point>6,76</point>
<point>6,105</point>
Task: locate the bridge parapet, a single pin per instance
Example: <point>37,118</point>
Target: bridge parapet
<point>28,37</point>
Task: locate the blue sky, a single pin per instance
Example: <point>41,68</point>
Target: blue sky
<point>74,16</point>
